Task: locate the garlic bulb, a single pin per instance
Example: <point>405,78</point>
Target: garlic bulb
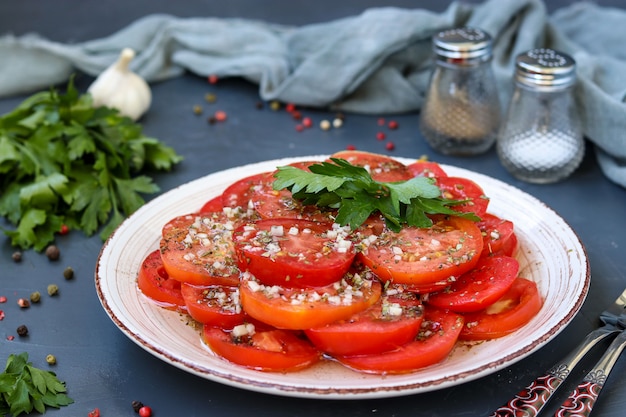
<point>120,88</point>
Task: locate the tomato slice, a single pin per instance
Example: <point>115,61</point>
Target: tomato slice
<point>270,350</point>
<point>154,283</point>
<point>393,321</point>
<point>217,305</point>
<point>241,192</point>
<point>381,168</point>
<point>213,205</point>
<point>426,169</point>
<point>436,339</point>
<point>419,256</point>
<point>459,188</point>
<point>305,308</point>
<point>480,287</point>
<point>496,232</point>
<point>293,253</point>
<point>512,311</point>
<point>198,249</point>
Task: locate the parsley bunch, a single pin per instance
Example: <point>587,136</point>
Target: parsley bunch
<point>64,161</point>
<point>351,190</point>
<point>24,388</point>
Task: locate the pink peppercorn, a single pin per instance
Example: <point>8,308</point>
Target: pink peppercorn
<point>3,299</point>
<point>213,79</point>
<point>290,107</point>
<point>145,411</point>
<point>381,122</point>
<point>307,122</point>
<point>220,115</point>
<point>299,127</point>
<point>392,125</point>
<point>381,136</point>
<point>350,148</point>
<point>390,146</point>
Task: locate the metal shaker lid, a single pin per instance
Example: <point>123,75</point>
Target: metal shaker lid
<point>463,43</point>
<point>545,67</point>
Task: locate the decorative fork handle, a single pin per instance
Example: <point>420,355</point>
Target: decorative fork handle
<point>530,401</point>
<point>581,400</point>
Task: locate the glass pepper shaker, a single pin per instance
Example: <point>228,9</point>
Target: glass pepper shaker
<point>541,139</point>
<point>461,113</point>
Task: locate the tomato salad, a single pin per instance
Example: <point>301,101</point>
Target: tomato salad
<point>278,286</point>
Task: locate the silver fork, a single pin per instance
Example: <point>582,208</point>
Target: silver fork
<point>582,399</point>
<point>533,398</point>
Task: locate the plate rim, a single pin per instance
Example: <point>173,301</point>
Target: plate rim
<point>330,392</point>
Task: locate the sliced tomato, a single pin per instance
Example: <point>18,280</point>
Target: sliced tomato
<point>459,188</point>
<point>496,232</point>
<point>508,246</point>
<point>390,323</point>
<point>213,205</point>
<point>198,249</point>
<point>381,168</point>
<point>217,305</point>
<point>512,311</point>
<point>438,336</point>
<point>305,308</point>
<point>426,169</point>
<point>293,253</point>
<point>154,282</point>
<point>421,256</point>
<point>480,287</point>
<point>241,192</point>
<point>269,350</point>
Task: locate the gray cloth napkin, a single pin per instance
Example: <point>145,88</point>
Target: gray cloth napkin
<point>376,63</point>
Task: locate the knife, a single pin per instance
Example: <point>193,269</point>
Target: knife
<point>533,398</point>
<point>584,396</point>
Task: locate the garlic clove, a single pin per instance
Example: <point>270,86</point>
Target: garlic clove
<point>120,88</point>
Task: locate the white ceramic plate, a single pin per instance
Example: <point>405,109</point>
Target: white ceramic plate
<point>549,252</point>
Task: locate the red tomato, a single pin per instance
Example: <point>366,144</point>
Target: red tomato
<point>198,249</point>
<point>382,168</point>
<point>439,333</point>
<point>217,305</point>
<point>426,169</point>
<point>213,205</point>
<point>393,321</point>
<point>516,308</point>
<point>508,246</point>
<point>458,188</point>
<point>241,192</point>
<point>480,287</point>
<point>305,308</point>
<point>496,232</point>
<point>420,256</point>
<point>293,253</point>
<point>270,350</point>
<point>154,282</point>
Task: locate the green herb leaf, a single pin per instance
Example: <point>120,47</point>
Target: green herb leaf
<point>24,388</point>
<point>351,189</point>
<point>63,161</point>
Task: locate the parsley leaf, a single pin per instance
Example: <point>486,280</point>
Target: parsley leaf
<point>63,161</point>
<point>24,388</point>
<point>350,189</point>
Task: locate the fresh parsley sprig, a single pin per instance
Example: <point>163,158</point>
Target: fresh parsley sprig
<point>64,161</point>
<point>24,388</point>
<point>350,189</point>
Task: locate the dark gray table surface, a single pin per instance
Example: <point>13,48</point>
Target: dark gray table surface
<point>104,369</point>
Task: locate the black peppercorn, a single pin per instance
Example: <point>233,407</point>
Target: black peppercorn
<point>17,256</point>
<point>22,330</point>
<point>68,272</point>
<point>52,252</point>
<point>137,405</point>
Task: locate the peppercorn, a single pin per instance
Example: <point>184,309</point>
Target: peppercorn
<point>51,359</point>
<point>53,289</point>
<point>35,297</point>
<point>337,123</point>
<point>259,105</point>
<point>68,272</point>
<point>23,303</point>
<point>197,110</point>
<point>210,98</point>
<point>381,136</point>
<point>324,125</point>
<point>17,256</point>
<point>137,405</point>
<point>22,330</point>
<point>392,124</point>
<point>145,411</point>
<point>52,252</point>
<point>275,105</point>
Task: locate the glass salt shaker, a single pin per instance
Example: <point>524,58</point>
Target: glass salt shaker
<point>461,113</point>
<point>541,139</point>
